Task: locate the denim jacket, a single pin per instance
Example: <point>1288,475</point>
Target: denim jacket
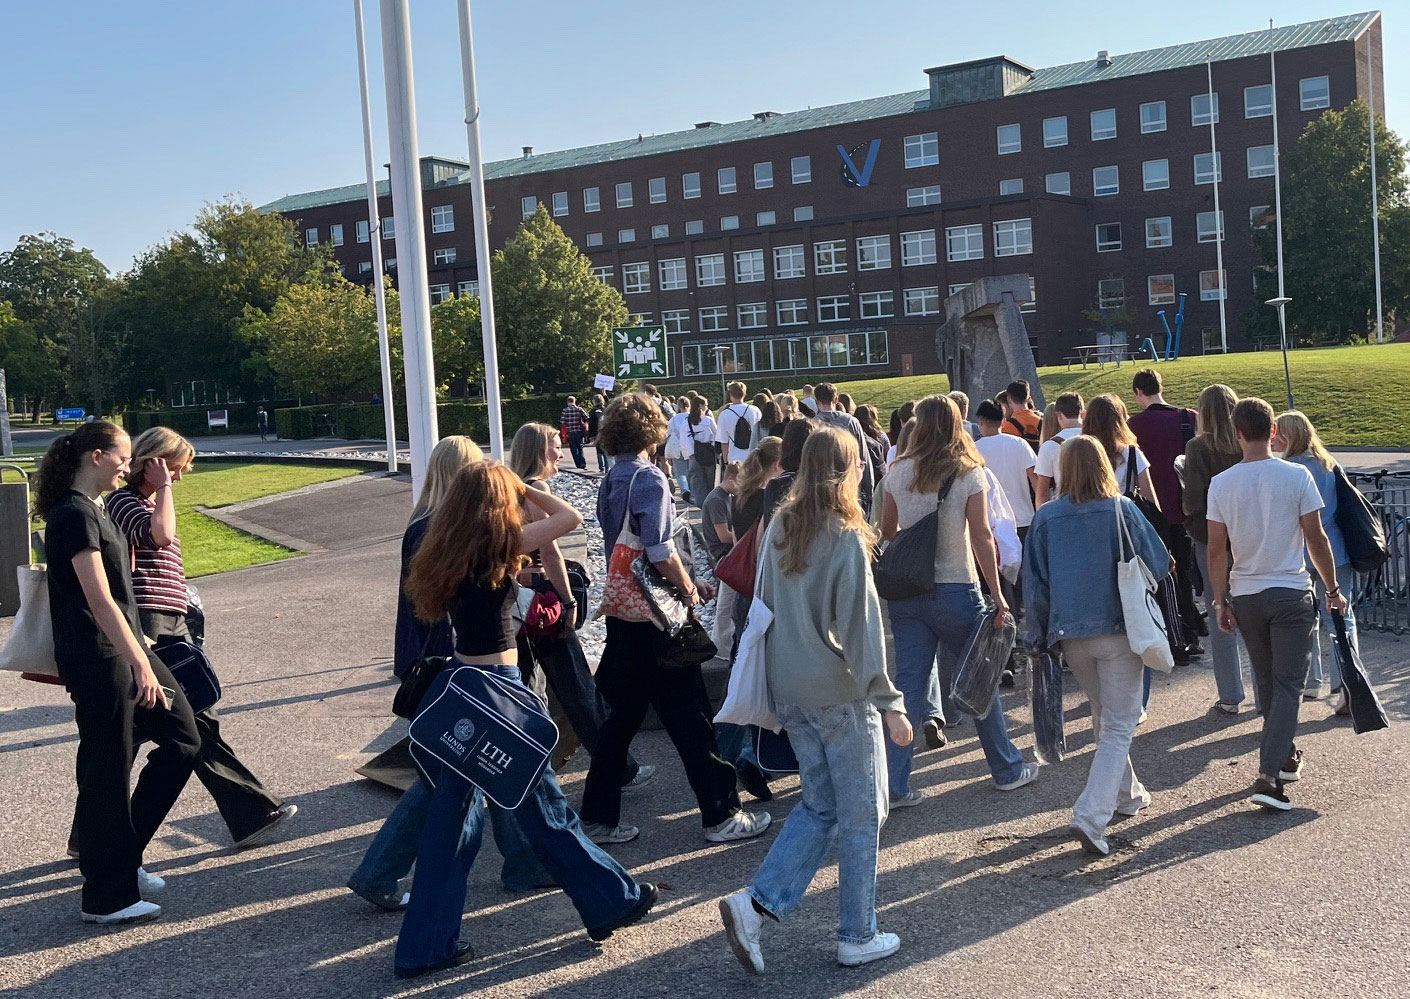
<point>1069,568</point>
<point>1326,480</point>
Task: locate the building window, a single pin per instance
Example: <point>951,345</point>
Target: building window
<point>748,266</point>
<point>673,274</point>
<point>626,235</point>
<point>1108,237</point>
<point>709,270</point>
<point>724,177</point>
<point>560,203</point>
<point>1260,161</point>
<point>1260,216</point>
<point>1013,185</point>
<point>766,218</point>
<point>834,309</point>
<point>1031,306</point>
<point>624,194</point>
<point>1160,289</point>
<point>876,304</point>
<point>955,289</point>
<point>753,315</point>
<point>1111,293</point>
<point>919,197</point>
<point>660,232</point>
<point>789,262</point>
<point>1106,181</point>
<point>694,227</point>
<point>468,289</point>
<point>1013,238</point>
<point>690,185</point>
<point>1209,167</point>
<point>1207,229</point>
<point>964,242</point>
<point>1258,101</point>
<point>594,239</point>
<point>389,227</point>
<point>335,234</point>
<point>1153,117</point>
<point>592,199</point>
<point>528,205</point>
<point>1055,131</point>
<point>1155,175</point>
<point>802,168</point>
<point>729,222</point>
<point>603,273</point>
<point>803,213</point>
<point>918,248</point>
<point>443,216</point>
<point>311,236</point>
<point>390,264</point>
<point>1010,139</point>
<point>363,231</point>
<point>636,278</point>
<point>830,257</point>
<point>714,318</point>
<point>1058,183</point>
<point>922,150</point>
<point>1211,286</point>
<point>873,253</point>
<point>921,301</point>
<point>1104,124</point>
<point>792,311</point>
<point>445,255</point>
<point>1203,110</point>
<point>656,190</point>
<point>763,176</point>
<point>676,320</point>
<point>365,267</point>
<point>641,319</point>
<point>1314,92</point>
<point>1159,233</point>
<point>439,293</point>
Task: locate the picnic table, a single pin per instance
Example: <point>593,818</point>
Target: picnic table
<point>1100,353</point>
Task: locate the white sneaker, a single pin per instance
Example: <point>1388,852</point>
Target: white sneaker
<point>137,912</point>
<point>1026,776</point>
<point>644,773</point>
<point>605,835</point>
<point>1134,806</point>
<point>740,825</point>
<point>854,955</point>
<point>1090,841</point>
<point>908,800</point>
<point>742,925</point>
<point>148,884</point>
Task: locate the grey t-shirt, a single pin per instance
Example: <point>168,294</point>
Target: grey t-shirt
<point>716,509</point>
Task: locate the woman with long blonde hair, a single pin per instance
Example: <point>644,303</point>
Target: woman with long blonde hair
<point>1298,440</point>
<point>825,660</point>
<point>1214,449</point>
<point>1050,426</point>
<point>1105,419</point>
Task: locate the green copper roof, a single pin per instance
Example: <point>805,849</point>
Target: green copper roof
<point>1335,29</point>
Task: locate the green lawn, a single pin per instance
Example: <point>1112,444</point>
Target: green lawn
<point>1355,395</point>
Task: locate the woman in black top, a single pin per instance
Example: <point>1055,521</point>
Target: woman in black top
<point>122,693</point>
<point>475,545</point>
<point>754,474</point>
<point>795,435</point>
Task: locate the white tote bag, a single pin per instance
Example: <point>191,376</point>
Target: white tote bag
<point>747,699</point>
<point>1140,602</point>
<point>30,646</point>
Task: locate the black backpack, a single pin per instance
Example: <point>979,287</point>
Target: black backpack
<point>906,568</point>
<point>743,430</point>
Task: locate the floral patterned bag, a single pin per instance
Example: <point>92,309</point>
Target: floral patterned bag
<point>622,595</point>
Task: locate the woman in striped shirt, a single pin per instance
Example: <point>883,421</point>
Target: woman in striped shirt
<point>144,512</point>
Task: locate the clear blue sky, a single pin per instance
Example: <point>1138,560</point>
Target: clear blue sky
<point>119,120</point>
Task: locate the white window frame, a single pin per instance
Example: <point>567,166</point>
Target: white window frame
<point>1159,182</point>
<point>1168,298</point>
<point>439,293</point>
<point>876,305</point>
<point>626,235</point>
<point>964,242</point>
<point>656,190</point>
<point>674,274</point>
<point>625,197</point>
<point>1110,190</point>
<point>921,150</point>
<point>444,255</point>
<point>1255,212</point>
<point>1215,171</point>
<point>1052,138</point>
<point>690,185</point>
<point>1104,132</point>
<point>364,267</point>
<point>1013,237</point>
<point>803,213</point>
<point>676,320</point>
<point>710,270</point>
<point>1321,97</point>
<point>1262,169</point>
<point>1149,122</point>
<point>790,262</point>
<point>1108,245</point>
<point>661,230</point>
<point>1009,138</point>
<point>920,197</point>
<point>749,266</point>
<point>528,204</point>
<point>389,227</point>
<point>1221,290</point>
<point>592,199</point>
<point>792,311</point>
<point>727,180</point>
<point>311,236</point>
<point>594,239</point>
<point>714,318</point>
<point>1107,296</point>
<point>921,301</point>
<point>801,169</point>
<point>1158,242</point>
<point>636,277</point>
<point>443,218</point>
<point>769,217</point>
<point>830,256</point>
<point>763,175</point>
<point>1011,185</point>
<point>757,314</point>
<point>467,289</point>
<point>1264,109</point>
<point>604,273</point>
<point>364,231</point>
<point>728,222</point>
<point>1067,186</point>
<point>1201,118</point>
<point>694,227</point>
<point>560,204</point>
<point>335,234</point>
<point>1207,228</point>
<point>918,248</point>
<point>874,253</point>
<point>831,307</point>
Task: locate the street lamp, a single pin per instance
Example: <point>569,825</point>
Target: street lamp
<point>720,351</point>
<point>1281,304</point>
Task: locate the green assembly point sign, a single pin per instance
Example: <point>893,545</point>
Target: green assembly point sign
<point>639,352</point>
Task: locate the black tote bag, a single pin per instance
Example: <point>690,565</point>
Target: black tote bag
<point>1367,714</point>
<point>1360,525</point>
<point>906,568</point>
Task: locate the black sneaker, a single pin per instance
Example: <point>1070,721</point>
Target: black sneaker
<point>1292,768</point>
<point>633,915</point>
<point>754,780</point>
<point>1270,795</point>
<point>1006,678</point>
<point>464,952</point>
<point>934,732</point>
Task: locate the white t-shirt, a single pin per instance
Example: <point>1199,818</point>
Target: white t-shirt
<point>1009,458</point>
<point>705,432</point>
<point>1262,503</point>
<point>731,415</point>
<point>1047,461</point>
<point>1142,463</point>
<point>677,444</point>
<point>1001,521</point>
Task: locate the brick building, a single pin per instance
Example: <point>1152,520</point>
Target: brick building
<point>829,238</point>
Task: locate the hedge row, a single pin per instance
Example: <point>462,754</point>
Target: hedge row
<point>365,422</point>
<point>774,381</point>
<point>191,422</point>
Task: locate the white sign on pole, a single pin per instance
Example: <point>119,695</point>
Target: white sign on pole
<point>605,382</point>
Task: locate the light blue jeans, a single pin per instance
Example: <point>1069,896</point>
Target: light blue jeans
<point>1223,648</point>
<point>680,471</point>
<point>842,766</point>
<point>1346,579</point>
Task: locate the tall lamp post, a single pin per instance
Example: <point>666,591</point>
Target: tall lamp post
<point>720,353</point>
<point>1281,304</point>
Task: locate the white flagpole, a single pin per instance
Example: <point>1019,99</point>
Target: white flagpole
<point>422,429</point>
<point>1218,217</point>
<point>1282,298</point>
<point>482,233</point>
<point>1375,195</point>
<point>374,236</point>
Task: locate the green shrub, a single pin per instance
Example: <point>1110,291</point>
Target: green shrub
<point>191,421</point>
<point>365,422</point>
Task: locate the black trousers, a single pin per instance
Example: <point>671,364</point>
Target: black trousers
<point>113,827</point>
<point>1182,557</point>
<point>631,680</point>
<point>575,448</point>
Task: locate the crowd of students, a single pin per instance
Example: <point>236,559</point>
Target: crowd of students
<point>1033,511</point>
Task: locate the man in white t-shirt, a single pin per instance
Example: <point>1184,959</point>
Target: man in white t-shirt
<point>1266,511</point>
<point>1069,407</point>
<point>727,430</point>
<point>1010,459</point>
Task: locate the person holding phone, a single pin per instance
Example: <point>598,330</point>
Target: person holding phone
<point>122,693</point>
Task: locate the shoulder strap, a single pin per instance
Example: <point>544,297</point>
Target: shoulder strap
<point>1123,533</point>
<point>1130,468</point>
<point>945,490</point>
<point>1015,424</point>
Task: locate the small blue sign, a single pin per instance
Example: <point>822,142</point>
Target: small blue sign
<point>70,414</point>
<point>851,176</point>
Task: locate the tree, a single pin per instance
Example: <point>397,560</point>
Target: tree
<point>554,318</point>
<point>27,364</point>
<point>457,343</point>
<point>97,350</point>
<point>1327,248</point>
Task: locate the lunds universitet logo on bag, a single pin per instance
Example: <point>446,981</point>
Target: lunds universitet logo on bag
<point>464,729</point>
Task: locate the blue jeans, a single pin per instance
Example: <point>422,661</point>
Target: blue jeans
<point>393,850</point>
<point>1346,579</point>
<point>601,459</point>
<point>1223,648</point>
<point>843,771</point>
<point>599,888</point>
<point>680,471</point>
<point>944,617</point>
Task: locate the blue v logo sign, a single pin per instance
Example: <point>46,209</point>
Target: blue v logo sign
<point>851,175</point>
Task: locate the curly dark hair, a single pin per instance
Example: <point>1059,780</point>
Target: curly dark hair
<point>631,424</point>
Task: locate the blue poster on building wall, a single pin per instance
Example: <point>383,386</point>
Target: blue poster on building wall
<point>852,175</point>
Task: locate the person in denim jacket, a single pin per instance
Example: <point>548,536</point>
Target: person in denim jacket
<point>1069,570</point>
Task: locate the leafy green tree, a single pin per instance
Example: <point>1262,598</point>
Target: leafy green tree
<point>457,343</point>
<point>98,348</point>
<point>553,317</point>
<point>1327,248</point>
<point>27,364</point>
